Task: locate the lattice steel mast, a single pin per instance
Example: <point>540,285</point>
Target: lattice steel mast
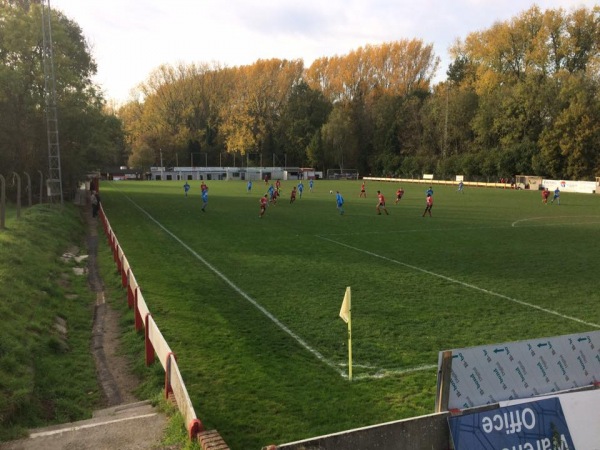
<point>54,181</point>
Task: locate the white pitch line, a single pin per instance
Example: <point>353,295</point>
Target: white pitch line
<point>462,283</point>
<point>416,230</point>
<point>86,426</point>
<point>241,292</point>
<point>385,372</point>
<point>531,219</point>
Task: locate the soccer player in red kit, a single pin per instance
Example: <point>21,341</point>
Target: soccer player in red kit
<point>545,194</point>
<point>399,194</point>
<point>363,192</point>
<point>381,203</point>
<point>274,196</point>
<point>428,205</point>
<point>264,200</point>
<point>293,195</point>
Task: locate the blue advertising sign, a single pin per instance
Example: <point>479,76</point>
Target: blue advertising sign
<point>536,425</point>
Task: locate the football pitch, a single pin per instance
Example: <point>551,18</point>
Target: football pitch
<point>250,305</point>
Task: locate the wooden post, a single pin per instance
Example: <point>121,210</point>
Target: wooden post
<point>444,376</point>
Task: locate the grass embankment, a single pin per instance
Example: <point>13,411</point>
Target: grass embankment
<point>250,306</point>
<point>46,376</point>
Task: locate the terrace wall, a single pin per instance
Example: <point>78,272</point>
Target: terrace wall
<point>428,432</point>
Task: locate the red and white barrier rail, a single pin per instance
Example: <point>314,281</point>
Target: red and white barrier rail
<point>156,344</point>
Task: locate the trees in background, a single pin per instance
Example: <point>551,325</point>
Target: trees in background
<point>275,111</point>
<point>91,136</point>
<point>519,97</point>
<point>535,79</point>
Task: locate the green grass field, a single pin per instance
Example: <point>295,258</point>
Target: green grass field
<point>250,306</point>
<point>46,376</point>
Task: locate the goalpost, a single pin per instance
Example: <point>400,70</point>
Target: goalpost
<point>342,174</point>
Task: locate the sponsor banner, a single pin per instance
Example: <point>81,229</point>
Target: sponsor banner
<point>492,373</point>
<point>581,414</point>
<point>527,426</point>
<point>585,187</point>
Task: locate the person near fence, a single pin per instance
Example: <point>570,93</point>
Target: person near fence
<point>95,199</point>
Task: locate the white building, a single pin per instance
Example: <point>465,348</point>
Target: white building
<point>232,173</point>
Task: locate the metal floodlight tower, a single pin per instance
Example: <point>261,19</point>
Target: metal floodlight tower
<point>54,181</point>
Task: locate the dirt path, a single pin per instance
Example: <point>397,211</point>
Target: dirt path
<point>114,373</point>
<point>124,423</point>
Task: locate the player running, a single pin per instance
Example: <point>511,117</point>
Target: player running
<point>186,188</point>
<point>274,196</point>
<point>264,200</point>
<point>271,191</point>
<point>293,195</point>
<point>545,195</point>
<point>399,194</point>
<point>381,203</point>
<point>300,189</point>
<point>363,192</point>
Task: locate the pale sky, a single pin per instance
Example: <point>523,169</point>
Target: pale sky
<point>131,38</point>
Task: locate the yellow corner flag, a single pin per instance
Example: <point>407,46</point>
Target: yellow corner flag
<point>346,315</point>
<point>346,306</point>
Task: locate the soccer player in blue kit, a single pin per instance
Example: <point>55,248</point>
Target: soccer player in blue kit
<point>556,196</point>
<point>339,201</point>
<point>204,199</point>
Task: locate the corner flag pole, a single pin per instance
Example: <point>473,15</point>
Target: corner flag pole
<point>346,315</point>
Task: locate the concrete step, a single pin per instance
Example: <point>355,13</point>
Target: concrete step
<point>134,426</point>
